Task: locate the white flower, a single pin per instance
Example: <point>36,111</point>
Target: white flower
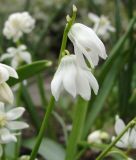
<point>128,140</point>
<point>97,136</point>
<point>17,24</point>
<point>86,42</point>
<point>17,56</point>
<point>25,157</point>
<point>75,77</point>
<point>8,123</point>
<point>102,25</point>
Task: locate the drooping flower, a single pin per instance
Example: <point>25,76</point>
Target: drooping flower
<point>102,25</point>
<point>97,136</point>
<point>128,140</point>
<point>17,24</point>
<point>9,123</point>
<point>17,55</point>
<point>75,77</point>
<point>86,42</point>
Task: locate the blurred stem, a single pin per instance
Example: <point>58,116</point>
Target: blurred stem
<point>77,129</point>
<point>125,82</point>
<point>3,155</point>
<point>17,147</point>
<point>117,19</point>
<point>52,100</point>
<point>30,107</point>
<point>105,152</point>
<point>43,128</point>
<point>42,90</point>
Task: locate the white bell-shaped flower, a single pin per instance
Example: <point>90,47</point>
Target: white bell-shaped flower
<point>86,42</point>
<point>17,55</point>
<point>75,77</point>
<point>9,125</point>
<point>102,25</point>
<point>97,136</point>
<point>128,140</point>
<point>17,24</point>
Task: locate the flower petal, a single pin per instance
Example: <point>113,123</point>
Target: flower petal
<point>69,79</point>
<point>93,82</point>
<point>6,136</point>
<point>15,113</point>
<point>26,56</point>
<point>82,85</point>
<point>4,75</point>
<point>2,108</point>
<point>119,125</point>
<point>10,70</point>
<point>6,94</point>
<point>17,125</point>
<point>56,83</point>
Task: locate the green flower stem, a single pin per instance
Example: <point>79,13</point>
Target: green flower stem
<point>77,129</point>
<point>52,100</point>
<point>3,155</point>
<point>105,152</point>
<point>43,128</point>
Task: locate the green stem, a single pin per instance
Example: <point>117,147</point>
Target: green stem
<point>42,90</point>
<point>52,100</point>
<point>3,155</point>
<point>105,152</point>
<point>43,128</point>
<point>77,129</point>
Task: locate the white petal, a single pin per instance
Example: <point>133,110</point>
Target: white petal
<point>26,56</point>
<point>15,113</point>
<point>10,70</point>
<point>119,126</point>
<point>56,84</point>
<point>120,144</point>
<point>17,125</point>
<point>6,56</point>
<point>82,85</point>
<point>6,94</point>
<point>93,17</point>
<point>4,75</point>
<point>6,136</point>
<point>14,63</point>
<point>2,108</point>
<point>132,139</point>
<point>69,79</point>
<point>93,82</point>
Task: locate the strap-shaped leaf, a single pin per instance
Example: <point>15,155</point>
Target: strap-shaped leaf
<point>30,70</point>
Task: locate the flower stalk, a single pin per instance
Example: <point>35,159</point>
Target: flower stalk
<point>52,100</point>
<point>105,152</point>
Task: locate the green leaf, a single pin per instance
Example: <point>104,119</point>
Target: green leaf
<point>29,70</point>
<point>49,149</point>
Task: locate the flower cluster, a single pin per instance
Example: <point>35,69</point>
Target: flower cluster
<point>17,24</point>
<point>102,25</point>
<point>17,55</point>
<point>73,73</point>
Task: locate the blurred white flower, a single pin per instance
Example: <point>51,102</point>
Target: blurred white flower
<point>8,123</point>
<point>86,42</point>
<point>75,77</point>
<point>128,140</point>
<point>97,136</point>
<point>17,56</point>
<point>102,25</point>
<point>25,157</point>
<point>17,24</point>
